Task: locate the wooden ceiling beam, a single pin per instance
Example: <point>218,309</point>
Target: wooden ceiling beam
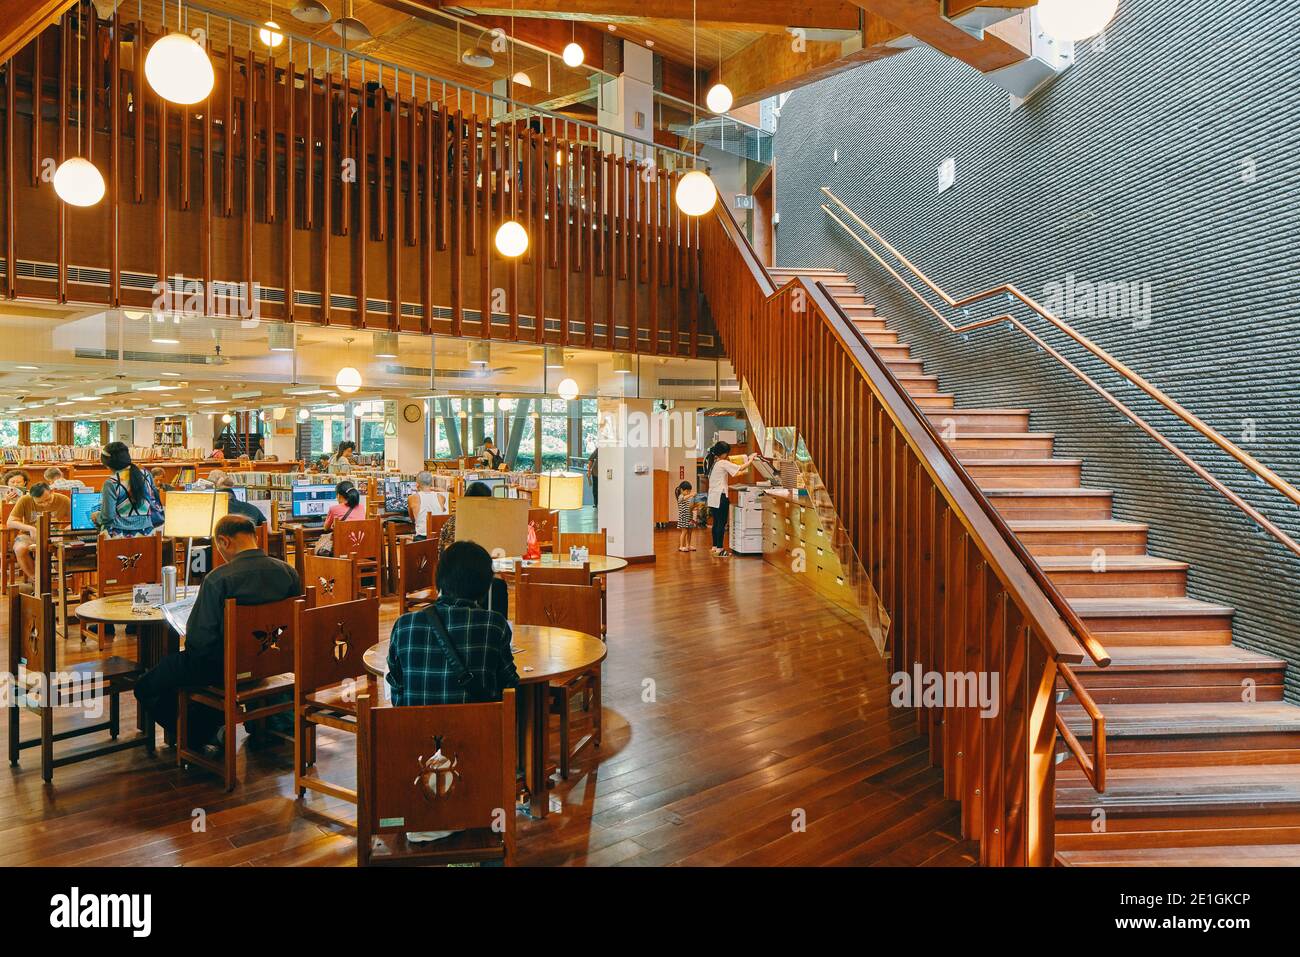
<point>776,64</point>
<point>735,14</point>
<point>1001,46</point>
<point>21,20</point>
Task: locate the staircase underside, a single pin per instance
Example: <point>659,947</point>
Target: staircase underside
<point>1203,754</point>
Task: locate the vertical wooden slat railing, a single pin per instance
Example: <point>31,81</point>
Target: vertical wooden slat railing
<point>963,603</point>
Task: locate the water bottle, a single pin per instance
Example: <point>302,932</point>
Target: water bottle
<point>168,584</point>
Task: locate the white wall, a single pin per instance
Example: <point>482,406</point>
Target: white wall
<point>626,463</point>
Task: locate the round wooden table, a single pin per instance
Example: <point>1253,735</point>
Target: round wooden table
<point>151,637</point>
<point>600,564</point>
<point>542,654</point>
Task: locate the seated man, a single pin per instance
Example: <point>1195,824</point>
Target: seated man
<point>26,513</point>
<point>55,478</point>
<point>251,577</point>
<point>235,506</point>
<point>212,481</point>
<point>420,671</point>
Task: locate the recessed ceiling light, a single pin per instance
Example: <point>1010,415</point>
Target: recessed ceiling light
<point>172,374</point>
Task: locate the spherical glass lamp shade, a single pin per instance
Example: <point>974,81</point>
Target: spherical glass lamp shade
<point>573,55</point>
<point>226,419</point>
<point>179,69</point>
<point>521,79</point>
<point>348,379</point>
<point>719,98</point>
<point>270,34</point>
<point>303,415</point>
<point>511,239</point>
<point>1073,20</point>
<point>695,193</point>
<point>78,182</point>
<point>568,390</point>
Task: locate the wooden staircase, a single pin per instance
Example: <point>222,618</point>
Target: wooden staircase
<point>1204,756</point>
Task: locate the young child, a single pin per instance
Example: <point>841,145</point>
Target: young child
<point>685,520</point>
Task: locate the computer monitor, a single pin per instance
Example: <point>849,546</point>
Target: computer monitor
<point>83,504</point>
<point>313,501</point>
<point>396,492</point>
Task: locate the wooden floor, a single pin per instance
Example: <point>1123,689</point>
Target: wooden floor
<point>737,704</point>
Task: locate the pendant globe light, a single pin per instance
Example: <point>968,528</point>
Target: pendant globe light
<point>511,238</point>
<point>1073,20</point>
<point>719,98</point>
<point>695,193</point>
<point>567,389</point>
<point>348,379</point>
<point>270,34</point>
<point>77,181</point>
<point>573,54</point>
<point>178,68</point>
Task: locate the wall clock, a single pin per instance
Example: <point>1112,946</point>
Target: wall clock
<point>412,412</point>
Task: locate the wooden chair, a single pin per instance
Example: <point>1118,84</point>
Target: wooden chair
<point>32,647</point>
<point>547,525</point>
<point>433,525</point>
<point>594,541</point>
<point>554,574</point>
<point>363,539</point>
<point>258,665</point>
<point>471,789</point>
<point>577,607</point>
<point>335,579</point>
<point>9,571</point>
<point>262,543</point>
<point>123,563</point>
<point>329,675</point>
<point>416,572</point>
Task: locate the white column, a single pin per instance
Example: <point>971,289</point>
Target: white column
<point>626,463</point>
<point>406,448</point>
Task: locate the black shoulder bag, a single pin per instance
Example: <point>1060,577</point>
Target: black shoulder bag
<point>465,679</point>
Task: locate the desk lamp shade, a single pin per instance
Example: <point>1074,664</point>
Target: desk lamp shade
<point>193,514</point>
<point>559,492</point>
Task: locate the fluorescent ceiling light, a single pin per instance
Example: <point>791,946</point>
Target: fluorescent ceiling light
<point>305,390</point>
<point>156,386</point>
<point>246,395</point>
<point>210,401</point>
<point>28,368</point>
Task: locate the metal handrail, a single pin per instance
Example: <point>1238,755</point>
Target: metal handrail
<point>1256,467</point>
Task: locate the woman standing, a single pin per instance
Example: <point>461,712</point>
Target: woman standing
<point>342,462</point>
<point>720,471</point>
<point>128,503</point>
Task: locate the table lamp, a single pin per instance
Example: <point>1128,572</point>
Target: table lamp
<point>559,491</point>
<point>191,515</point>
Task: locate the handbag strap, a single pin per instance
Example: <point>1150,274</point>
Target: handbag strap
<point>467,680</point>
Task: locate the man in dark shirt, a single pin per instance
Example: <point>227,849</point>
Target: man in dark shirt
<point>419,673</point>
<point>235,506</point>
<point>250,577</point>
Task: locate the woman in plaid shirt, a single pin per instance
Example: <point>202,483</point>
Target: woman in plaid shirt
<point>419,673</point>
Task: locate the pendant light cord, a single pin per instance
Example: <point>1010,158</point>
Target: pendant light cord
<point>81,92</point>
<point>695,86</point>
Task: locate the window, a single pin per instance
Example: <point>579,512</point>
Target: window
<point>41,433</point>
<point>85,432</point>
<point>8,433</point>
<point>326,434</point>
<point>372,438</point>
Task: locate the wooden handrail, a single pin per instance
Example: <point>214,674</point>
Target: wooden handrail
<point>1094,767</point>
<point>1253,465</point>
<point>962,595</point>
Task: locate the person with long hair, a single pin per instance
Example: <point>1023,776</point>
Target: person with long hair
<point>341,463</point>
<point>128,503</point>
<point>720,471</point>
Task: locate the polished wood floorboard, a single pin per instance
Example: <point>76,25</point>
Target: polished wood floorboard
<point>738,705</point>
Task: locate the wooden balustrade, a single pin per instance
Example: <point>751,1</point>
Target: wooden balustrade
<point>348,200</point>
<point>960,598</point>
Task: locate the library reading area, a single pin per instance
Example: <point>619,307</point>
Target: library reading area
<point>582,434</point>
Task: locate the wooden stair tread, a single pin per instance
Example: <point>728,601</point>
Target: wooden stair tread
<point>1064,490</point>
<point>1002,436</point>
<point>1084,563</point>
<point>1146,607</point>
<point>1173,790</point>
<point>1020,463</point>
<point>1077,525</point>
<point>1181,658</point>
<point>1209,718</point>
<point>1232,855</point>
